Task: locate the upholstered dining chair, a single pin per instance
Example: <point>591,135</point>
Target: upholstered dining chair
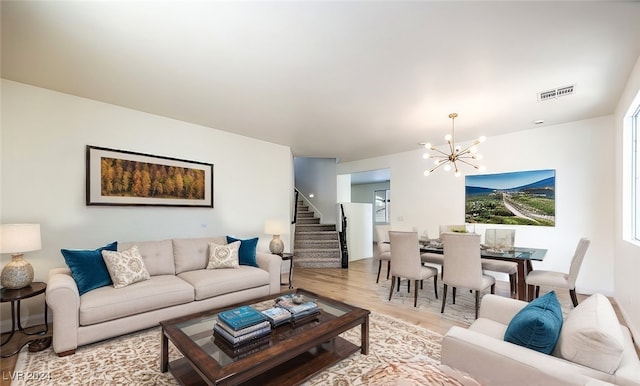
<point>383,248</point>
<point>554,279</point>
<point>405,254</point>
<point>501,266</point>
<point>462,266</point>
<point>432,258</point>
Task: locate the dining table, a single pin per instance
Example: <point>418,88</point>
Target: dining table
<point>523,256</point>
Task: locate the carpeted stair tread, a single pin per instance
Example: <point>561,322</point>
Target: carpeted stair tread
<point>325,244</point>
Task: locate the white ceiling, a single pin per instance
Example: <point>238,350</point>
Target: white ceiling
<point>349,80</point>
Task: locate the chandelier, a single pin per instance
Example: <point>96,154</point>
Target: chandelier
<point>455,154</point>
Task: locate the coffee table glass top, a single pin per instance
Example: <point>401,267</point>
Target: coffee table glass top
<point>200,330</point>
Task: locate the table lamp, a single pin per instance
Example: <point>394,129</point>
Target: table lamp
<point>17,239</point>
<point>275,228</point>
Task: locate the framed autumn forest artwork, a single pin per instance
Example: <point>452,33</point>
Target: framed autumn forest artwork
<point>119,177</point>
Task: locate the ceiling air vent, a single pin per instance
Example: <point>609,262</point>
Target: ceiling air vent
<point>556,93</point>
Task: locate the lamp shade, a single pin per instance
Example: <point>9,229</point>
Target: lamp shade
<point>274,227</point>
<point>18,238</point>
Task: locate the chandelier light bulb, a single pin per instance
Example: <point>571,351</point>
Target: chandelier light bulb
<point>447,167</point>
<point>426,173</point>
<point>426,156</point>
<point>478,156</point>
<point>473,149</point>
<point>447,137</point>
<point>437,162</point>
<point>428,146</point>
<point>457,174</point>
<point>482,168</point>
<point>482,139</point>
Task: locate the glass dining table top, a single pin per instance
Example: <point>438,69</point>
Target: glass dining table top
<point>521,253</point>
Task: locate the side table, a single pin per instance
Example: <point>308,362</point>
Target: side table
<point>289,257</point>
<point>15,296</point>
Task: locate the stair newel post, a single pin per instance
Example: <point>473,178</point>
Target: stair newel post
<point>343,239</point>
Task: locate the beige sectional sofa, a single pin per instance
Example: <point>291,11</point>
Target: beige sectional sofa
<point>593,348</point>
<point>179,284</point>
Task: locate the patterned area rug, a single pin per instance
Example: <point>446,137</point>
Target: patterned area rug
<point>464,309</point>
<point>400,354</point>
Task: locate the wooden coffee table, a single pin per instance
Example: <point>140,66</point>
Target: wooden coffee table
<point>292,354</point>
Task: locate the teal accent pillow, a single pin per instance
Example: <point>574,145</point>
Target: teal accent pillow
<point>537,326</point>
<point>247,254</point>
<point>88,268</point>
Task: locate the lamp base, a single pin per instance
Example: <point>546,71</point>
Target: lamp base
<point>276,246</point>
<point>18,273</point>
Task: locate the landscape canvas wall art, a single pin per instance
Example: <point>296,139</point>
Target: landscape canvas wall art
<point>517,198</point>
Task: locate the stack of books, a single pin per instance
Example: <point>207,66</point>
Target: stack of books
<point>277,316</point>
<point>299,309</point>
<point>241,326</point>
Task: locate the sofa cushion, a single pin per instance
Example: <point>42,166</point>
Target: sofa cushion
<point>193,254</point>
<point>537,326</point>
<point>209,283</point>
<point>108,303</point>
<point>223,256</point>
<point>126,267</point>
<point>157,256</point>
<point>592,336</point>
<point>88,268</point>
<point>247,250</point>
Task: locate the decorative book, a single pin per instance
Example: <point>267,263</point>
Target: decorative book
<point>241,317</point>
<point>239,340</point>
<point>245,330</point>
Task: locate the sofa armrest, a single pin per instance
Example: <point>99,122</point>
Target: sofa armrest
<point>496,362</point>
<point>628,373</point>
<point>272,264</point>
<point>499,308</point>
<point>63,299</point>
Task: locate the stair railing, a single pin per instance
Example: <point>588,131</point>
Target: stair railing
<point>295,208</point>
<point>307,202</point>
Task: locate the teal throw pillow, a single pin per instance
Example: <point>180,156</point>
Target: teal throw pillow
<point>88,268</point>
<point>537,326</point>
<point>247,254</point>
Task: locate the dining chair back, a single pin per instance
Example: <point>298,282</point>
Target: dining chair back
<point>405,255</point>
<point>462,266</point>
<point>383,248</point>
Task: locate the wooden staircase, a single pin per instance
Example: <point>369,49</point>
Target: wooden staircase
<point>316,245</point>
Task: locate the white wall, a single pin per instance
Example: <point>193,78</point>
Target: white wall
<point>359,230</point>
<point>627,253</point>
<point>44,134</point>
<point>317,176</point>
<point>584,192</point>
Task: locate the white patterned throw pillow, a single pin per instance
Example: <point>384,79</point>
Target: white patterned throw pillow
<point>223,256</point>
<point>125,267</point>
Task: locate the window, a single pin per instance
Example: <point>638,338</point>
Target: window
<point>635,173</point>
<point>382,203</point>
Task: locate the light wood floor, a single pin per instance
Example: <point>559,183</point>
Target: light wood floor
<point>356,286</point>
